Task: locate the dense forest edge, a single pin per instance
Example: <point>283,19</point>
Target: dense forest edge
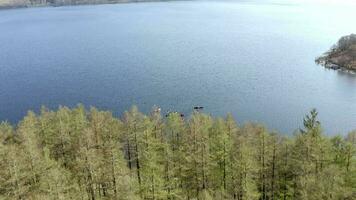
<point>6,4</point>
<point>342,55</point>
<point>90,154</point>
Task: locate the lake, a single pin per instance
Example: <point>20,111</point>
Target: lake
<point>253,59</point>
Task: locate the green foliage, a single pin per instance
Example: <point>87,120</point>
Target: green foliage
<point>80,154</point>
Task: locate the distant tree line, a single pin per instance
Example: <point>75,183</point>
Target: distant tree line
<point>345,42</point>
<point>79,154</point>
<point>30,3</point>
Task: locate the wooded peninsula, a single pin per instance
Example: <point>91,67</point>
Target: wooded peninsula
<point>81,154</point>
<point>342,55</point>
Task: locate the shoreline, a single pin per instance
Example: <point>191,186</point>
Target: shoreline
<point>104,2</point>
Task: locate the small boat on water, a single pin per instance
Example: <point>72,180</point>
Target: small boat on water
<point>198,107</point>
<point>175,112</point>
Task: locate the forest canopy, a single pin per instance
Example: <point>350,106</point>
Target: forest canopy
<point>80,154</point>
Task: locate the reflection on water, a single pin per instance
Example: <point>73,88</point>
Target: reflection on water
<point>349,75</point>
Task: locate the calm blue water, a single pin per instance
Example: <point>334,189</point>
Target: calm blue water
<point>255,60</point>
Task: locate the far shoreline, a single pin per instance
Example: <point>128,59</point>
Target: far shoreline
<point>49,5</point>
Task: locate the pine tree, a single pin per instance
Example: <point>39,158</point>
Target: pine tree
<point>312,155</point>
<point>220,144</point>
<point>33,158</point>
<point>244,182</point>
<point>143,138</point>
<point>12,183</point>
<point>132,134</point>
<point>197,156</point>
<point>56,182</point>
<point>284,166</point>
<point>176,138</point>
<point>14,173</point>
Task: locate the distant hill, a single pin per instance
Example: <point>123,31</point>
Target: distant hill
<point>34,3</point>
<point>342,55</point>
